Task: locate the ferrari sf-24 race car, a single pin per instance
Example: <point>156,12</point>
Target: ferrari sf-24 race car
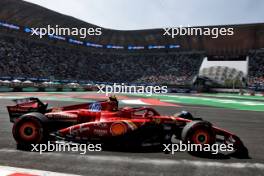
<point>104,122</point>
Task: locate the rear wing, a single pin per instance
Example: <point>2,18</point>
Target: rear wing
<point>24,106</point>
<point>26,100</point>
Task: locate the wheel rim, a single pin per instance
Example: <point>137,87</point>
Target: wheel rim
<point>201,137</point>
<point>29,131</point>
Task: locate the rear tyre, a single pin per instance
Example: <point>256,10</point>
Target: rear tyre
<point>30,129</point>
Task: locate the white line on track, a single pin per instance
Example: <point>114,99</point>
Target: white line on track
<point>134,102</point>
<point>159,162</point>
<point>6,171</point>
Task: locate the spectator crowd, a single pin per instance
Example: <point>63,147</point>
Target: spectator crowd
<point>19,57</point>
<point>256,70</point>
<point>28,58</point>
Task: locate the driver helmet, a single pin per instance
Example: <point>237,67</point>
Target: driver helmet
<point>112,103</point>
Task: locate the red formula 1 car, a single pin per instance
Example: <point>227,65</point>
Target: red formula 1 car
<point>103,122</point>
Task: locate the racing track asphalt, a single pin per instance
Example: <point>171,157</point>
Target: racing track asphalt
<point>248,125</point>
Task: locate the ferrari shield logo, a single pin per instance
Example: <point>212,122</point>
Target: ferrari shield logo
<point>157,121</point>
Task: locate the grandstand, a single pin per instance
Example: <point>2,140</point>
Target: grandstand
<point>141,56</point>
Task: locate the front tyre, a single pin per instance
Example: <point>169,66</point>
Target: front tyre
<point>198,132</point>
